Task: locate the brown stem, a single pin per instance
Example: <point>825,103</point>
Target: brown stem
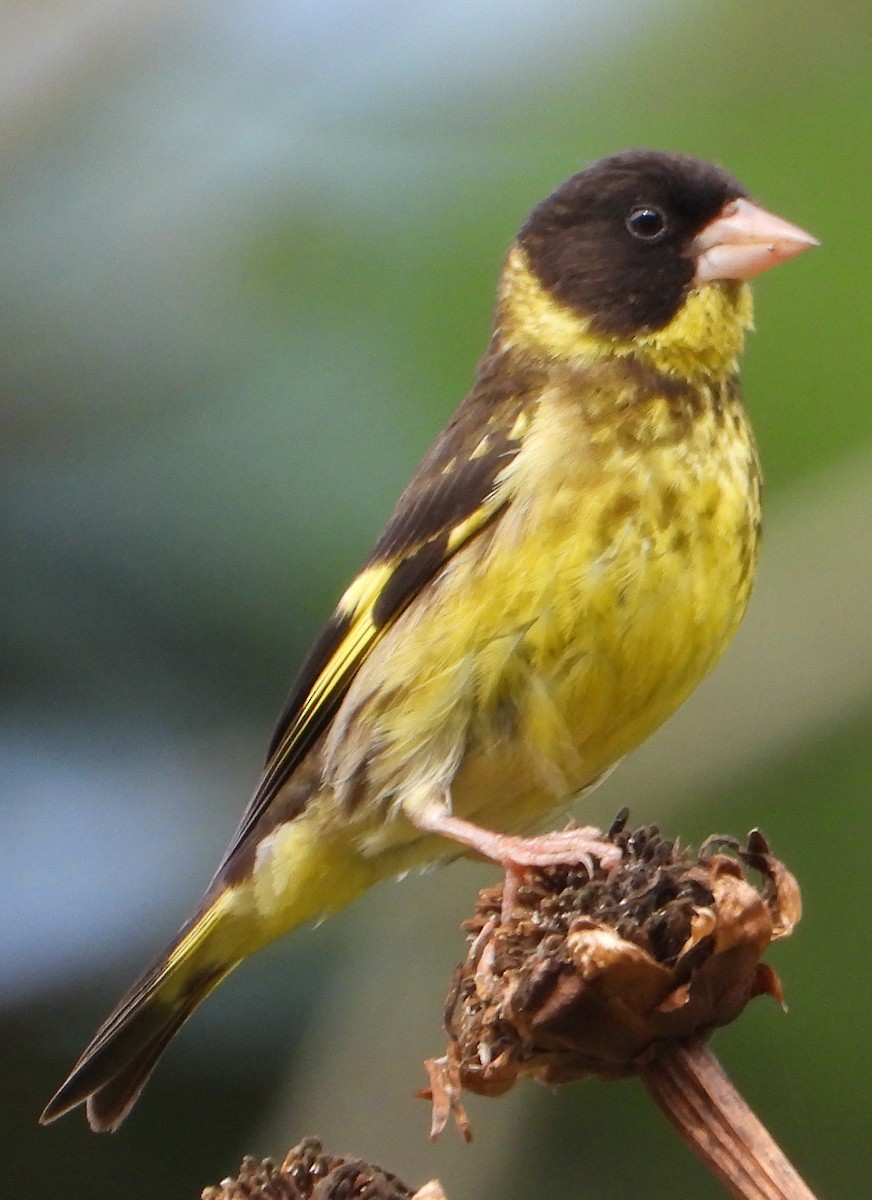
<point>695,1093</point>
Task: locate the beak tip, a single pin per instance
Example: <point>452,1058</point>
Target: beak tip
<point>805,239</point>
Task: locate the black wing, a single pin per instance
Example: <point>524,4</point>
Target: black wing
<point>450,499</point>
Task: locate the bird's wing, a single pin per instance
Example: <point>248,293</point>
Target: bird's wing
<point>450,499</point>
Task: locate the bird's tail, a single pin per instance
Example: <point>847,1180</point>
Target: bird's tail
<point>115,1066</point>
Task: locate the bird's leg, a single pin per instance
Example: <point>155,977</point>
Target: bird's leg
<point>584,845</point>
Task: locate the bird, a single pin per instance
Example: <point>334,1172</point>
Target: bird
<point>570,559</point>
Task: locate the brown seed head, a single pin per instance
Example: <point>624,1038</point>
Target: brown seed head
<point>594,974</point>
<point>309,1174</point>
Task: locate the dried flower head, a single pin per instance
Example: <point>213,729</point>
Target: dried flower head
<point>592,973</point>
<point>309,1174</point>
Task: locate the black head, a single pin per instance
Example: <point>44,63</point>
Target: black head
<point>613,241</point>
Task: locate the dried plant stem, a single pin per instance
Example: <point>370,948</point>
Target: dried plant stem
<point>695,1093</point>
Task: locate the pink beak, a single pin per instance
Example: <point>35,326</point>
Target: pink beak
<point>744,240</point>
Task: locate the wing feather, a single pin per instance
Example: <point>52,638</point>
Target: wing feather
<point>451,498</point>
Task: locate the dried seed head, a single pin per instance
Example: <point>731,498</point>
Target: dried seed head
<point>309,1174</point>
<point>592,974</point>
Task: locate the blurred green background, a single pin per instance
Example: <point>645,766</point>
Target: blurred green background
<point>247,258</point>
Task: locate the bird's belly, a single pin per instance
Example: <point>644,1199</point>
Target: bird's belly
<point>578,695</point>
<point>619,640</point>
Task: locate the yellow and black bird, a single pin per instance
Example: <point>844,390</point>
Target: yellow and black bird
<point>570,559</point>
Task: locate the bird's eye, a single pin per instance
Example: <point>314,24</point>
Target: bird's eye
<point>646,223</point>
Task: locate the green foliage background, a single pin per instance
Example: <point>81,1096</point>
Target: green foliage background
<point>219,366</point>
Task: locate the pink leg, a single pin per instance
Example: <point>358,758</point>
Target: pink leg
<point>584,845</point>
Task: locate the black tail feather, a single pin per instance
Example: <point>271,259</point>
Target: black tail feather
<point>116,1065</point>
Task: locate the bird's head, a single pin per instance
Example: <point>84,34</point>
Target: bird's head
<point>645,252</point>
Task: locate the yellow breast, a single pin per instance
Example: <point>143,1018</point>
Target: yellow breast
<point>634,545</point>
<point>573,627</point>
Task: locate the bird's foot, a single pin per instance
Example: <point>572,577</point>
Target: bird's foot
<point>579,845</point>
<point>582,845</point>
